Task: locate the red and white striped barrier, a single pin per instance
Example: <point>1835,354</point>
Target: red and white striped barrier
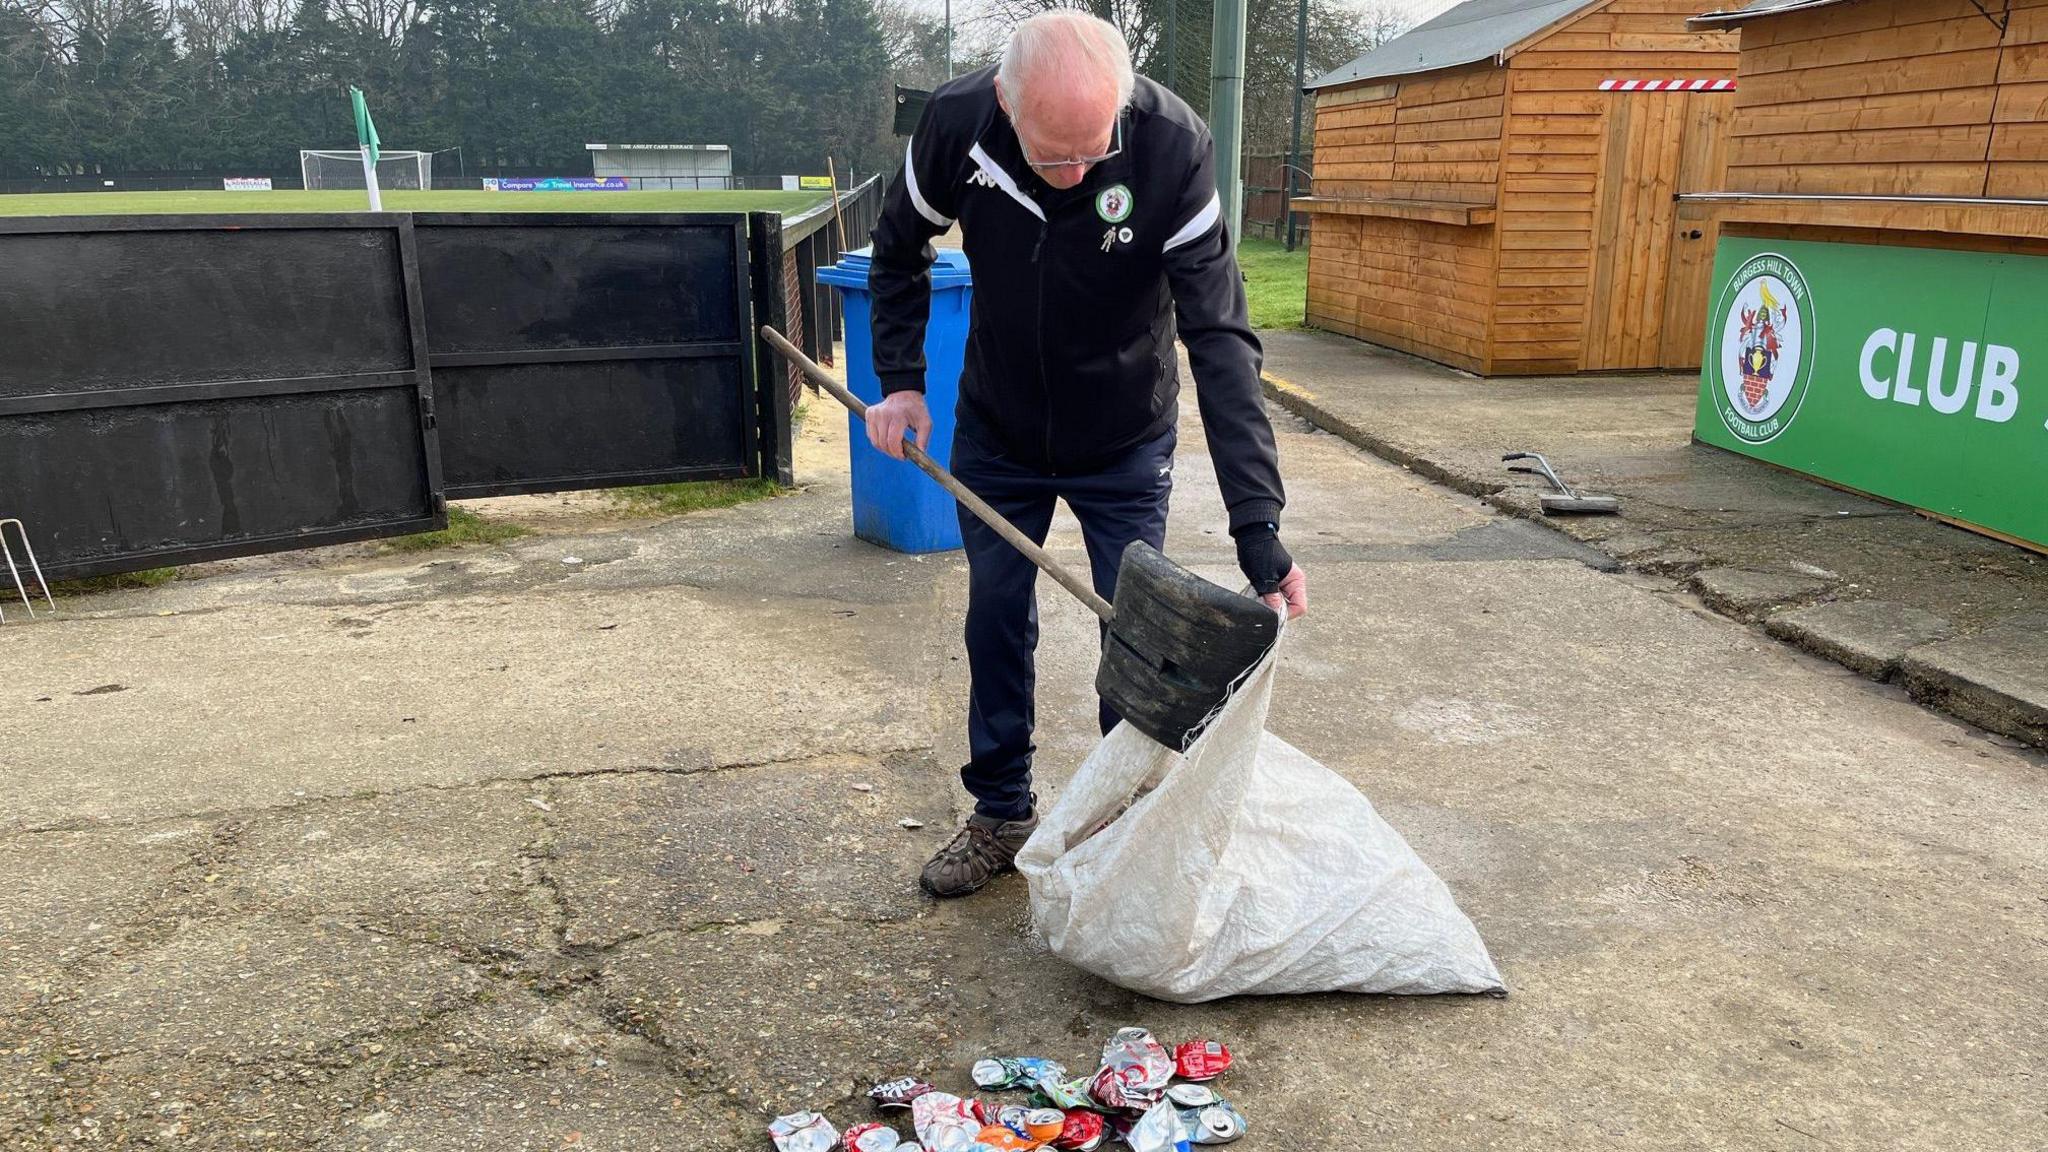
<point>1667,85</point>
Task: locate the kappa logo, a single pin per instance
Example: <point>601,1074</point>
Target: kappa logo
<point>982,178</point>
<point>1766,330</point>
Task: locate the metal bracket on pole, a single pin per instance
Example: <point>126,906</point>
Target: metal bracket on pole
<point>7,550</point>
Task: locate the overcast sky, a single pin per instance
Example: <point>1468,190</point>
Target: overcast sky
<point>968,26</point>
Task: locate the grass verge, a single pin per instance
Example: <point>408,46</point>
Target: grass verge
<point>147,578</point>
<point>464,527</point>
<point>694,496</point>
<point>1276,282</point>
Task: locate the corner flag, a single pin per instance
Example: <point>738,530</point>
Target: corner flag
<point>366,139</point>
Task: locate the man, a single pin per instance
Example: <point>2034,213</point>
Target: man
<point>1088,206</point>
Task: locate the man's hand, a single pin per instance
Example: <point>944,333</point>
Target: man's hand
<point>1292,595</point>
<point>1273,573</point>
<point>897,412</point>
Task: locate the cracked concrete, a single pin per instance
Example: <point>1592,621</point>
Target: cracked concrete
<point>631,876</point>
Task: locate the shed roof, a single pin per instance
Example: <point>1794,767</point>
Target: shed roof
<point>1473,31</point>
<point>1758,8</point>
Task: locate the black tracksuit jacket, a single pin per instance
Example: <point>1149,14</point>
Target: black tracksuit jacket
<point>1070,358</point>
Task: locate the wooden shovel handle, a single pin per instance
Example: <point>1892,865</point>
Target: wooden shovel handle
<point>967,499</point>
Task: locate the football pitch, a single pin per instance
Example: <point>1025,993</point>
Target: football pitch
<point>352,200</point>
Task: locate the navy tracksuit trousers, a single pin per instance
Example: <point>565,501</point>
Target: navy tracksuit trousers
<point>1124,501</point>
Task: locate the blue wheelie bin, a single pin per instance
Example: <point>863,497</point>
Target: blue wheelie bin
<point>894,503</point>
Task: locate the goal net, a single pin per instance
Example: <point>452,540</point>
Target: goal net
<point>344,169</point>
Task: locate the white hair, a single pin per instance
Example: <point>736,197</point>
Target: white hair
<point>1067,44</point>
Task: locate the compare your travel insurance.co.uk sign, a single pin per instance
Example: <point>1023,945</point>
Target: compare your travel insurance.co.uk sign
<point>1916,375</point>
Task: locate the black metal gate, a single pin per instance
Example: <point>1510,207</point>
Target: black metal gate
<point>582,351</point>
<point>176,389</point>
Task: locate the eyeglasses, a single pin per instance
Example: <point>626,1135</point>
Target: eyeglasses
<point>1085,161</point>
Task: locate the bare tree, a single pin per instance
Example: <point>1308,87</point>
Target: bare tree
<point>386,20</point>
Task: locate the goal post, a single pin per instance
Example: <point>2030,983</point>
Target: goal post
<point>343,168</point>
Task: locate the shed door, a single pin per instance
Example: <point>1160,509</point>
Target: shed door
<point>1702,164</point>
<point>1649,275</point>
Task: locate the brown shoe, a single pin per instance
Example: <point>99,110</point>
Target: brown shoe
<point>984,849</point>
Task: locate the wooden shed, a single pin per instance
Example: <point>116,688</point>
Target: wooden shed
<point>1904,121</point>
<point>1495,189</point>
<point>1887,182</point>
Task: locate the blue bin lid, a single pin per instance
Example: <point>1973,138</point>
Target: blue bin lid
<point>949,271</point>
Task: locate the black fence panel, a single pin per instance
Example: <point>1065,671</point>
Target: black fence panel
<point>817,239</point>
<point>178,389</point>
<point>585,351</point>
<point>775,396</point>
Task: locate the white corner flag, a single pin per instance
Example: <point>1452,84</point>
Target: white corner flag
<point>366,139</point>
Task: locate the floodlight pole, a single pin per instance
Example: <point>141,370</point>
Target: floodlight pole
<point>1226,108</point>
<point>1294,144</point>
<point>1172,78</point>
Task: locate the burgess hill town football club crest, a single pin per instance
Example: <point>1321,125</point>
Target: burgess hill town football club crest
<point>1762,360</point>
<point>1114,204</point>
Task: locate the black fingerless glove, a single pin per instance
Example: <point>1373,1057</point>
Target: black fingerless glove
<point>1259,553</point>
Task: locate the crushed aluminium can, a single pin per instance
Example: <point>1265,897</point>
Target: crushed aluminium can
<point>1158,1130</point>
<point>1135,1071</point>
<point>1082,1132</point>
<point>1003,1072</point>
<point>803,1132</point>
<point>999,1138</point>
<point>1217,1123</point>
<point>945,1122</point>
<point>872,1137</point>
<point>1065,1095</point>
<point>1043,1124</point>
<point>898,1093</point>
<point>1011,1116</point>
<point>1206,1117</point>
<point>1200,1060</point>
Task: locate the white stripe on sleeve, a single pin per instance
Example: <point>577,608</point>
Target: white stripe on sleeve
<point>1198,227</point>
<point>916,197</point>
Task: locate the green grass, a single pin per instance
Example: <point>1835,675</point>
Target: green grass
<point>1276,282</point>
<point>147,578</point>
<point>694,496</point>
<point>143,203</point>
<point>464,527</point>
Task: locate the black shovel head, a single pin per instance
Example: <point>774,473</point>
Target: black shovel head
<point>1177,645</point>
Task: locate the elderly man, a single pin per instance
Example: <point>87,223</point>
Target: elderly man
<point>1087,200</point>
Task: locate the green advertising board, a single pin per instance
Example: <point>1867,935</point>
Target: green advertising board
<point>1901,372</point>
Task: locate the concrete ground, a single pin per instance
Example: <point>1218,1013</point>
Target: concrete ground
<point>486,849</point>
<point>1958,619</point>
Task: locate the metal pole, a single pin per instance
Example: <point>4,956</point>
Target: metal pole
<point>949,39</point>
<point>1294,148</point>
<point>1226,108</point>
<point>1172,80</point>
<point>370,180</point>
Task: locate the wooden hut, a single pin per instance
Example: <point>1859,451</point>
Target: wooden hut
<point>1934,112</point>
<point>1887,181</point>
<point>1494,189</point>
